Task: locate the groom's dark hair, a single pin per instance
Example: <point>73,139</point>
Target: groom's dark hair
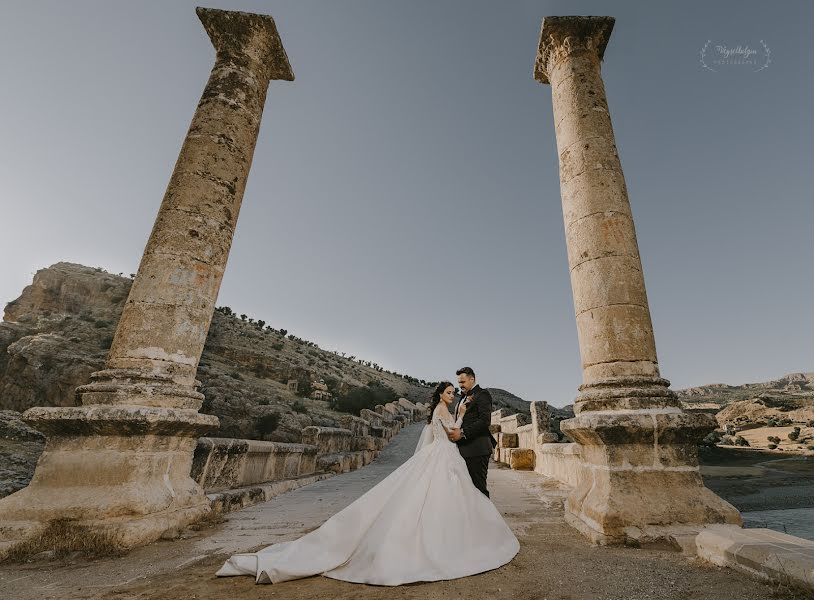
<point>465,370</point>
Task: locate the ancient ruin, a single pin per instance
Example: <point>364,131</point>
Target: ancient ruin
<point>118,466</point>
<point>130,464</point>
<point>638,447</point>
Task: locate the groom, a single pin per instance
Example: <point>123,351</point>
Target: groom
<point>475,441</point>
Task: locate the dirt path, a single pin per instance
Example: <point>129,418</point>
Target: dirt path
<point>553,564</point>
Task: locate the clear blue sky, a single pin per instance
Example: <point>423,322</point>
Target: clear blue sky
<point>404,203</point>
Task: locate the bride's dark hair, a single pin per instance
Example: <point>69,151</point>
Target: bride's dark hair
<point>436,397</point>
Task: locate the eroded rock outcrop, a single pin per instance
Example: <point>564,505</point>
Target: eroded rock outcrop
<point>60,328</point>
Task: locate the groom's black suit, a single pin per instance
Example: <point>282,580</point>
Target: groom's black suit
<point>477,444</point>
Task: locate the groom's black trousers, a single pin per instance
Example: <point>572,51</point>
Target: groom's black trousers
<point>478,467</point>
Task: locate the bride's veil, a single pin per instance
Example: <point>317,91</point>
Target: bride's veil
<point>425,439</point>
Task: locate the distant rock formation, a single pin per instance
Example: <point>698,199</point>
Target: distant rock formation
<point>790,396</point>
<point>799,385</point>
<point>60,328</point>
<point>503,399</point>
<point>516,404</point>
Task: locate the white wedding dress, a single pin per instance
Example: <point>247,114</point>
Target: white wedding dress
<point>426,521</point>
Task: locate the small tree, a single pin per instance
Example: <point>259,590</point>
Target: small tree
<point>304,387</point>
<point>333,385</point>
<point>243,317</point>
<point>266,424</point>
<point>368,396</point>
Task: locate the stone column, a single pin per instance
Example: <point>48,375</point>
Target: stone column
<point>639,446</point>
<point>118,466</point>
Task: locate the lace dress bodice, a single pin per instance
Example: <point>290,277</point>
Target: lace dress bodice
<point>441,418</point>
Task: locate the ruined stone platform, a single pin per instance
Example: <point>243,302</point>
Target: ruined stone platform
<point>554,563</point>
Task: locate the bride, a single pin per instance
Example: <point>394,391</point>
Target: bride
<point>425,521</point>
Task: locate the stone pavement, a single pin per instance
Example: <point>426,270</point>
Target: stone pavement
<point>554,563</point>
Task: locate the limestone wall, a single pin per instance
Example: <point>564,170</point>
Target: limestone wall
<point>225,463</point>
<point>528,443</point>
<point>380,426</point>
<point>356,425</point>
<point>228,464</point>
<point>525,436</point>
<point>511,423</point>
<point>361,438</point>
<point>559,461</point>
<point>328,439</point>
<point>498,414</point>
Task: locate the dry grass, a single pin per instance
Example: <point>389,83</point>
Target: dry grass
<point>61,538</point>
<point>787,589</point>
<point>211,519</point>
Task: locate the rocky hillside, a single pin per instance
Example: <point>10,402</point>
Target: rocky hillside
<point>788,386</point>
<point>59,331</point>
<point>503,399</point>
<point>791,396</point>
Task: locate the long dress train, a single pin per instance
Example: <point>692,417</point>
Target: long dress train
<point>425,521</point>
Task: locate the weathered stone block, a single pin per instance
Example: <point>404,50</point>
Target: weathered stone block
<point>510,423</point>
<point>329,440</point>
<point>561,462</point>
<point>375,419</point>
<point>507,440</point>
<point>525,436</point>
<point>540,416</point>
<point>364,443</point>
<point>380,432</point>
<point>547,437</point>
<point>521,458</point>
<point>498,414</point>
<point>356,425</point>
<point>223,460</point>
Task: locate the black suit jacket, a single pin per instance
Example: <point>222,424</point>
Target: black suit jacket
<point>475,425</point>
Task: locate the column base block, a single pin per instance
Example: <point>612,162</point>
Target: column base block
<point>111,477</point>
<point>641,477</point>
